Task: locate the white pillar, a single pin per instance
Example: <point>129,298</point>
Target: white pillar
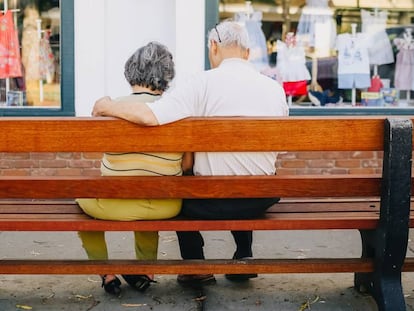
<point>190,37</point>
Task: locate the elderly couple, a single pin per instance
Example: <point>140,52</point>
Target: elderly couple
<point>231,88</point>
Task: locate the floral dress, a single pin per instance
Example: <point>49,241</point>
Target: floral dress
<point>10,64</point>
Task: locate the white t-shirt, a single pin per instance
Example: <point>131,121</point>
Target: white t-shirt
<point>353,53</point>
<point>235,88</point>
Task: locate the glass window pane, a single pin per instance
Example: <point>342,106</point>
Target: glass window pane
<point>30,62</point>
<point>342,55</point>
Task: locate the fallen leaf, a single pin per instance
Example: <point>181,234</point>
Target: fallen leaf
<point>48,297</point>
<point>307,305</point>
<point>83,297</point>
<point>24,307</point>
<point>129,305</point>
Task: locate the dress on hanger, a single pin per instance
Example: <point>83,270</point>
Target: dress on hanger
<point>46,59</point>
<point>404,65</point>
<point>258,48</point>
<point>353,61</point>
<point>31,44</point>
<point>374,24</point>
<point>291,63</point>
<point>315,11</point>
<point>10,63</point>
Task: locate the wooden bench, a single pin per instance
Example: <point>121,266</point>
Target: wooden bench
<point>376,205</point>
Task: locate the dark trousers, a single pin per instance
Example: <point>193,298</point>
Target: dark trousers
<point>192,243</point>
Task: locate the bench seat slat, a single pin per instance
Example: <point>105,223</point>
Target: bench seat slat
<point>285,205</point>
<point>69,187</point>
<point>292,221</point>
<point>180,266</point>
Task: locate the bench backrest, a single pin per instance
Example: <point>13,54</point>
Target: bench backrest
<point>81,134</point>
<point>76,134</point>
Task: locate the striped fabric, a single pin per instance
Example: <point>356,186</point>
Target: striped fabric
<point>142,164</point>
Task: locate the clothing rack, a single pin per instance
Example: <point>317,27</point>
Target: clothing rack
<point>375,71</point>
<point>12,10</point>
<point>353,32</point>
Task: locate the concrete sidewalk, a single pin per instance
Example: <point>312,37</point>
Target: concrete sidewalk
<point>296,292</point>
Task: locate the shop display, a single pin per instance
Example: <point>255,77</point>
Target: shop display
<point>291,63</point>
<point>46,58</point>
<point>404,66</point>
<point>354,55</point>
<point>353,61</point>
<point>253,22</point>
<point>28,70</point>
<point>380,49</point>
<point>316,27</point>
<point>10,64</point>
<point>31,44</point>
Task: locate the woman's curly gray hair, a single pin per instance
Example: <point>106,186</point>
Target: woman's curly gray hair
<point>150,66</point>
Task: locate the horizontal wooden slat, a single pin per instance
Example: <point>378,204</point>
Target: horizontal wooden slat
<point>25,215</point>
<point>284,205</point>
<point>294,221</point>
<point>179,266</point>
<point>55,215</point>
<point>77,134</point>
<point>53,187</point>
<point>408,264</point>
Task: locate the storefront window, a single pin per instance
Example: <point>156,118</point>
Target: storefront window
<point>31,57</point>
<point>337,54</point>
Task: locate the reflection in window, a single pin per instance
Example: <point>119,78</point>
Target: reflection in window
<point>30,53</point>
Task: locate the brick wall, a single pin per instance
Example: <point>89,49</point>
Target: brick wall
<point>355,162</point>
<point>59,164</point>
<point>70,164</point>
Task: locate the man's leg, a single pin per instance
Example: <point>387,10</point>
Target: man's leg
<point>243,240</point>
<point>191,247</point>
<point>191,244</point>
<point>226,209</point>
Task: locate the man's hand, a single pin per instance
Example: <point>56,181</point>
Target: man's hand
<point>100,106</point>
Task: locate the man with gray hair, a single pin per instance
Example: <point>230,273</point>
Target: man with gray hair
<point>231,88</point>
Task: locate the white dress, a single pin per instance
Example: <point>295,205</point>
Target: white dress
<point>380,49</point>
<point>258,48</point>
<point>291,63</point>
<point>316,12</point>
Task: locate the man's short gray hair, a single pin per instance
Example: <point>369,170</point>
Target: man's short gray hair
<point>229,33</point>
<point>150,66</point>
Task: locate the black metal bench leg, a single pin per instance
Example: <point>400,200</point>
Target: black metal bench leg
<point>363,282</point>
<point>391,237</point>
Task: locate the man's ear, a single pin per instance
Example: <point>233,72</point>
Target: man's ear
<point>246,54</point>
<point>213,47</point>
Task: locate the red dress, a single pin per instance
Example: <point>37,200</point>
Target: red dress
<point>10,63</point>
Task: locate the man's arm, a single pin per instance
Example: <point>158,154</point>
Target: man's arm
<point>138,113</point>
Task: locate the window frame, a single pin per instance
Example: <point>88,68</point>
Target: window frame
<point>67,86</point>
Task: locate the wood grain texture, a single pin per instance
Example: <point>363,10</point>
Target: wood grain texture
<point>180,266</point>
<point>80,134</point>
<point>69,187</point>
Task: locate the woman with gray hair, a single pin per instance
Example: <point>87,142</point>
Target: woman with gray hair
<point>149,71</point>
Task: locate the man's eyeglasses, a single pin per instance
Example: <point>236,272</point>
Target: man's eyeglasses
<point>218,35</point>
